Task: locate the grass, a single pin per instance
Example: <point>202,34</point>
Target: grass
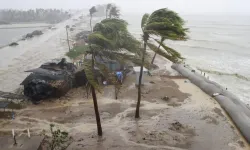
<point>77,51</point>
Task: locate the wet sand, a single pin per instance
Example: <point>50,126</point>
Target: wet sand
<point>188,119</point>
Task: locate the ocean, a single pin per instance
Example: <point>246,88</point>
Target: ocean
<point>13,32</point>
<point>219,45</point>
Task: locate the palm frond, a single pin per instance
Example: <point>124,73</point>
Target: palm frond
<point>100,40</point>
<point>106,73</point>
<point>162,52</point>
<point>163,15</point>
<point>114,11</point>
<point>144,20</point>
<point>167,24</point>
<point>109,6</point>
<point>170,50</point>
<point>87,65</point>
<point>124,58</point>
<point>92,10</point>
<point>77,51</point>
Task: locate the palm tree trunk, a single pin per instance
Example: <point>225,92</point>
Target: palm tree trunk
<point>106,13</point>
<point>137,112</point>
<point>90,22</point>
<point>97,115</point>
<point>152,62</point>
<point>67,38</point>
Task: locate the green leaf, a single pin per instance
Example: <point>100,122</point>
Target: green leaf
<point>170,50</point>
<point>90,74</point>
<point>162,53</point>
<point>77,51</point>
<point>101,40</point>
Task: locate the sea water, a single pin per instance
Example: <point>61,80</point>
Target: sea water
<point>218,45</point>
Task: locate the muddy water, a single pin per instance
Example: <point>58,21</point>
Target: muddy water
<point>30,54</point>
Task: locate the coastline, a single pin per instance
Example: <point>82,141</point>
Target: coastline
<point>24,25</point>
<point>189,119</point>
<point>236,109</point>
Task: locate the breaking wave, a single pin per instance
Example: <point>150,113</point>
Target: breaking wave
<point>225,74</point>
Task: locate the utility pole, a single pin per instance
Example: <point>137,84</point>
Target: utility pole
<point>67,36</point>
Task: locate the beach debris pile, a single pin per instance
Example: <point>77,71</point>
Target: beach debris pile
<point>32,34</point>
<point>13,44</point>
<point>51,79</point>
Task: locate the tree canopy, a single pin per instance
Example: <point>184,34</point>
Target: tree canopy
<point>34,15</point>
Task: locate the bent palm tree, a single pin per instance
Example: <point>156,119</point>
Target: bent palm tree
<point>114,12</point>
<point>91,12</point>
<point>166,24</point>
<point>107,9</point>
<point>173,19</point>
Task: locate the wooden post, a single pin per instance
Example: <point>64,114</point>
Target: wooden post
<point>14,136</point>
<point>28,130</point>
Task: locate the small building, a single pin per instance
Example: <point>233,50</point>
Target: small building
<point>137,71</point>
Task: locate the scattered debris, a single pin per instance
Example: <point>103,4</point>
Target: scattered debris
<point>176,126</point>
<point>165,98</point>
<point>34,33</point>
<point>13,44</point>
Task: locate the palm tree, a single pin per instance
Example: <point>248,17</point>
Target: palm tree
<point>114,11</point>
<point>107,9</point>
<point>108,39</point>
<point>160,24</point>
<point>177,21</point>
<point>91,12</point>
<point>67,27</point>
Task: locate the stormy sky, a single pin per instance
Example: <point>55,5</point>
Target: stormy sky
<point>181,6</point>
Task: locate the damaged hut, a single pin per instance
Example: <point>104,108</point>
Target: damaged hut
<point>52,79</point>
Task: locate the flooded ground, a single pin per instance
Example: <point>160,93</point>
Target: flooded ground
<point>187,119</point>
<point>32,53</point>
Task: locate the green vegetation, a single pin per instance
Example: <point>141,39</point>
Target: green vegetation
<point>33,15</point>
<point>111,40</point>
<point>167,25</point>
<point>108,7</point>
<point>114,12</point>
<point>59,140</point>
<point>77,51</point>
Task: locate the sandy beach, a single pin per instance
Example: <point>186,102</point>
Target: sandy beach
<point>186,119</point>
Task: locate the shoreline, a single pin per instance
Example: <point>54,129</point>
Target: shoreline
<point>238,111</point>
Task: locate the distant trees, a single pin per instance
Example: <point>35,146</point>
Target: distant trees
<point>108,7</point>
<point>33,15</point>
<point>92,10</point>
<point>114,12</point>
